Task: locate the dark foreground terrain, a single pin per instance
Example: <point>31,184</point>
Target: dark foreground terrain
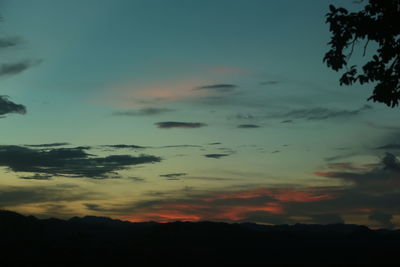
<point>28,241</point>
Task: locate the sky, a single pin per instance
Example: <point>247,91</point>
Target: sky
<point>221,110</point>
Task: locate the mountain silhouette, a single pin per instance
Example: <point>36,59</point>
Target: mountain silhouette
<point>28,241</point>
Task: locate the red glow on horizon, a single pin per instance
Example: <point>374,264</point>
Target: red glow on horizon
<point>215,207</point>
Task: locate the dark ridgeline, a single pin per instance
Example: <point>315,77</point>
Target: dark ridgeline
<point>29,241</point>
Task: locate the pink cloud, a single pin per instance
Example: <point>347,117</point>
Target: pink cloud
<point>158,93</point>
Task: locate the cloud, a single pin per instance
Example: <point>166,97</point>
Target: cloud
<point>49,145</point>
<point>384,219</point>
<point>216,156</point>
<point>9,41</point>
<point>222,87</point>
<point>342,156</point>
<point>174,124</point>
<point>67,162</point>
<point>389,147</point>
<point>136,179</point>
<point>172,176</point>
<point>270,83</point>
<point>327,218</point>
<point>15,68</point>
<point>215,143</point>
<point>234,206</point>
<point>248,126</point>
<point>21,195</point>
<point>387,170</point>
<point>321,113</point>
<point>37,176</point>
<point>179,146</point>
<point>123,146</point>
<point>6,106</point>
<point>143,112</point>
<point>242,116</point>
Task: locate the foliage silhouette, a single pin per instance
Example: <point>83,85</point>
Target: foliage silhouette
<point>100,241</point>
<point>377,22</point>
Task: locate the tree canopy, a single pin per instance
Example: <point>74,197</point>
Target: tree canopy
<point>377,22</point>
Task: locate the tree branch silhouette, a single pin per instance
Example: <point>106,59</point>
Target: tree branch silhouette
<point>377,22</point>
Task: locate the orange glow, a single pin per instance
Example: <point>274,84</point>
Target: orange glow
<point>324,174</point>
<point>241,212</point>
<point>299,196</point>
<point>162,92</point>
<point>284,195</point>
<point>214,208</point>
<point>245,194</point>
<point>164,216</point>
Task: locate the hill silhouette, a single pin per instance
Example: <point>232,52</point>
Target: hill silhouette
<point>26,240</point>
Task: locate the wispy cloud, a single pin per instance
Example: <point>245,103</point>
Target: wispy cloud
<point>389,147</point>
<point>143,112</point>
<point>248,126</point>
<point>9,41</point>
<point>16,68</point>
<point>175,124</point>
<point>216,156</point>
<point>320,113</point>
<point>49,145</point>
<point>173,176</point>
<point>220,87</point>
<point>123,146</point>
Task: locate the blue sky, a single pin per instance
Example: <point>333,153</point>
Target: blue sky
<point>231,98</point>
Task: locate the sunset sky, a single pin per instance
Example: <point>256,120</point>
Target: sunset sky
<point>188,110</point>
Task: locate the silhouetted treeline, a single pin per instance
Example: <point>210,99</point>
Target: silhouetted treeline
<point>28,241</point>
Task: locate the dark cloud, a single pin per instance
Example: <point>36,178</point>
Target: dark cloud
<point>215,143</point>
<point>143,112</point>
<point>123,146</point>
<point>342,156</point>
<point>136,179</point>
<point>49,145</point>
<point>175,124</point>
<point>387,170</point>
<point>390,162</point>
<point>248,126</point>
<point>287,121</point>
<point>68,162</point>
<point>37,177</point>
<point>210,178</point>
<point>321,113</point>
<point>383,219</point>
<point>15,68</point>
<point>9,41</point>
<point>6,106</point>
<point>216,156</point>
<point>242,116</point>
<point>179,146</point>
<point>327,218</point>
<point>270,83</point>
<point>389,147</point>
<point>94,207</point>
<point>21,195</point>
<point>268,218</point>
<point>222,87</point>
<point>173,176</point>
